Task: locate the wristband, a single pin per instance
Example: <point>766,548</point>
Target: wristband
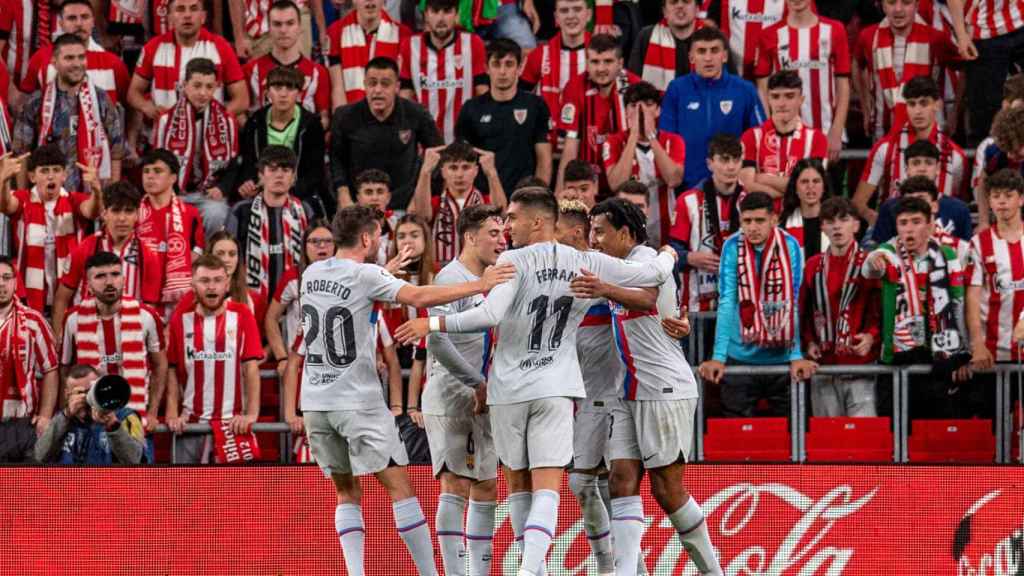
<point>411,408</point>
<point>434,323</point>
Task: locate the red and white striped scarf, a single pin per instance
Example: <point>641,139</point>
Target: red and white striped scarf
<point>552,77</point>
<point>356,50</point>
<point>836,334</point>
<point>178,255</point>
<point>766,300</point>
<point>293,224</point>
<point>129,12</point>
<point>888,89</point>
<point>896,160</point>
<point>32,235</point>
<point>660,59</point>
<point>92,142</point>
<point>231,448</point>
<point>16,353</point>
<point>256,21</point>
<point>177,133</point>
<point>447,243</point>
<point>132,346</point>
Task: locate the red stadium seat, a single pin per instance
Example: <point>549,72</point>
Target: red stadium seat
<point>968,441</point>
<point>752,439</point>
<point>849,439</point>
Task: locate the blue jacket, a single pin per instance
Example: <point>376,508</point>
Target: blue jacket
<point>728,342</point>
<point>697,109</point>
<point>954,215</point>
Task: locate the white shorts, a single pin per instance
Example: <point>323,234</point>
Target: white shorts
<point>656,432</point>
<point>462,445</point>
<point>533,434</point>
<point>592,429</point>
<point>356,442</point>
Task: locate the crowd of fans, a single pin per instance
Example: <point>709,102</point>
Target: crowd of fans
<point>169,168</point>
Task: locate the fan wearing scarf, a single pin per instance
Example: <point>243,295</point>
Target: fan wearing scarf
<point>28,358</point>
<point>459,165</point>
<point>922,308</point>
<point>96,138</point>
<point>761,270</point>
<point>203,135</point>
<point>140,267</point>
<point>662,51</point>
<point>840,315</point>
<point>47,221</point>
<point>118,335</point>
<point>270,226</point>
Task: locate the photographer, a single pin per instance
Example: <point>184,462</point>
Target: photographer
<point>85,434</point>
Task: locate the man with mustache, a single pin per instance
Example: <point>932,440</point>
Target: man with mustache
<point>119,335</point>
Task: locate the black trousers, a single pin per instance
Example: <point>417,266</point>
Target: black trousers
<point>998,58</point>
<point>740,394</point>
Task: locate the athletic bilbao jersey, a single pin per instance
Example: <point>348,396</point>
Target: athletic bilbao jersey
<point>538,317</point>
<point>447,392</point>
<point>163,62</point>
<point>590,117</point>
<point>442,79</point>
<point>992,18</point>
<point>599,359</point>
<point>819,54</point>
<point>773,152</point>
<point>315,95</point>
<point>742,22</point>
<point>338,323</point>
<point>655,368</point>
<point>997,266</point>
<point>207,353</point>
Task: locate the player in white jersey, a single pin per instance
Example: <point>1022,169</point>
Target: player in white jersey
<point>652,426</point>
<point>458,431</point>
<point>350,428</point>
<point>536,372</point>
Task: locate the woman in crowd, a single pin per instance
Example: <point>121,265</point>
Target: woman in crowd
<point>801,205</point>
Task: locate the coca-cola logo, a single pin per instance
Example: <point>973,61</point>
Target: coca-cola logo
<point>983,545</point>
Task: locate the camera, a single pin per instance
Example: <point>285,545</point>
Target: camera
<point>109,393</point>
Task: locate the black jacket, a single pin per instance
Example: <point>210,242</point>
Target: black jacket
<point>310,176</point>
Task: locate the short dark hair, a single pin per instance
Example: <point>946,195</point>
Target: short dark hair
<point>286,5</point>
<point>837,207</point>
<point>577,170</point>
<point>921,87</point>
<point>708,34</point>
<point>536,198</point>
<point>67,40</point>
<point>530,181</point>
<point>441,5</point>
<point>121,195</point>
<point>724,144</point>
<point>372,176</point>
<point>208,261</point>
<point>757,201</point>
<point>473,217</point>
<point>911,205</point>
<point>634,187</point>
<point>458,151</point>
<point>922,148</point>
<point>1005,179</point>
<point>351,222</point>
<point>785,80</point>
<point>383,63</point>
<point>575,212</point>
<point>604,43</point>
<point>278,157</point>
<point>101,259</point>
<point>82,371</point>
<point>621,213</point>
<point>641,92</point>
<point>917,184</point>
<point>162,155</point>
<point>203,66</point>
<point>499,48</point>
<point>47,155</point>
<point>286,76</point>
<point>67,3</point>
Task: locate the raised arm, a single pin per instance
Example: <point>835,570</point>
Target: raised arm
<point>427,296</point>
<point>632,274</point>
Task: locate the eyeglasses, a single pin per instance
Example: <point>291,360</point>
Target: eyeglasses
<point>320,241</point>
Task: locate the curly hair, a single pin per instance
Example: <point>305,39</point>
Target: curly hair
<point>1008,129</point>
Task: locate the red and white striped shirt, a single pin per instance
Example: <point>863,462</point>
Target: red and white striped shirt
<point>141,268</point>
<point>646,170</point>
<point>772,152</point>
<point>590,117</point>
<point>997,266</point>
<point>163,62</point>
<point>442,80</point>
<point>549,68</point>
<point>207,353</point>
<point>888,164</point>
<point>991,18</point>
<point>106,71</point>
<point>819,54</point>
<point>742,21</point>
<point>25,337</point>
<point>351,48</point>
<point>109,338</point>
<point>315,95</point>
<point>699,288</point>
<point>16,18</point>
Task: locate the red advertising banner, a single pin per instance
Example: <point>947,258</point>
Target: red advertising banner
<point>765,520</point>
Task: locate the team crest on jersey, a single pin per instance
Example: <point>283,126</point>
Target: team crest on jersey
<point>520,115</point>
<point>405,136</point>
<point>568,114</point>
<point>485,119</point>
<point>725,106</point>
